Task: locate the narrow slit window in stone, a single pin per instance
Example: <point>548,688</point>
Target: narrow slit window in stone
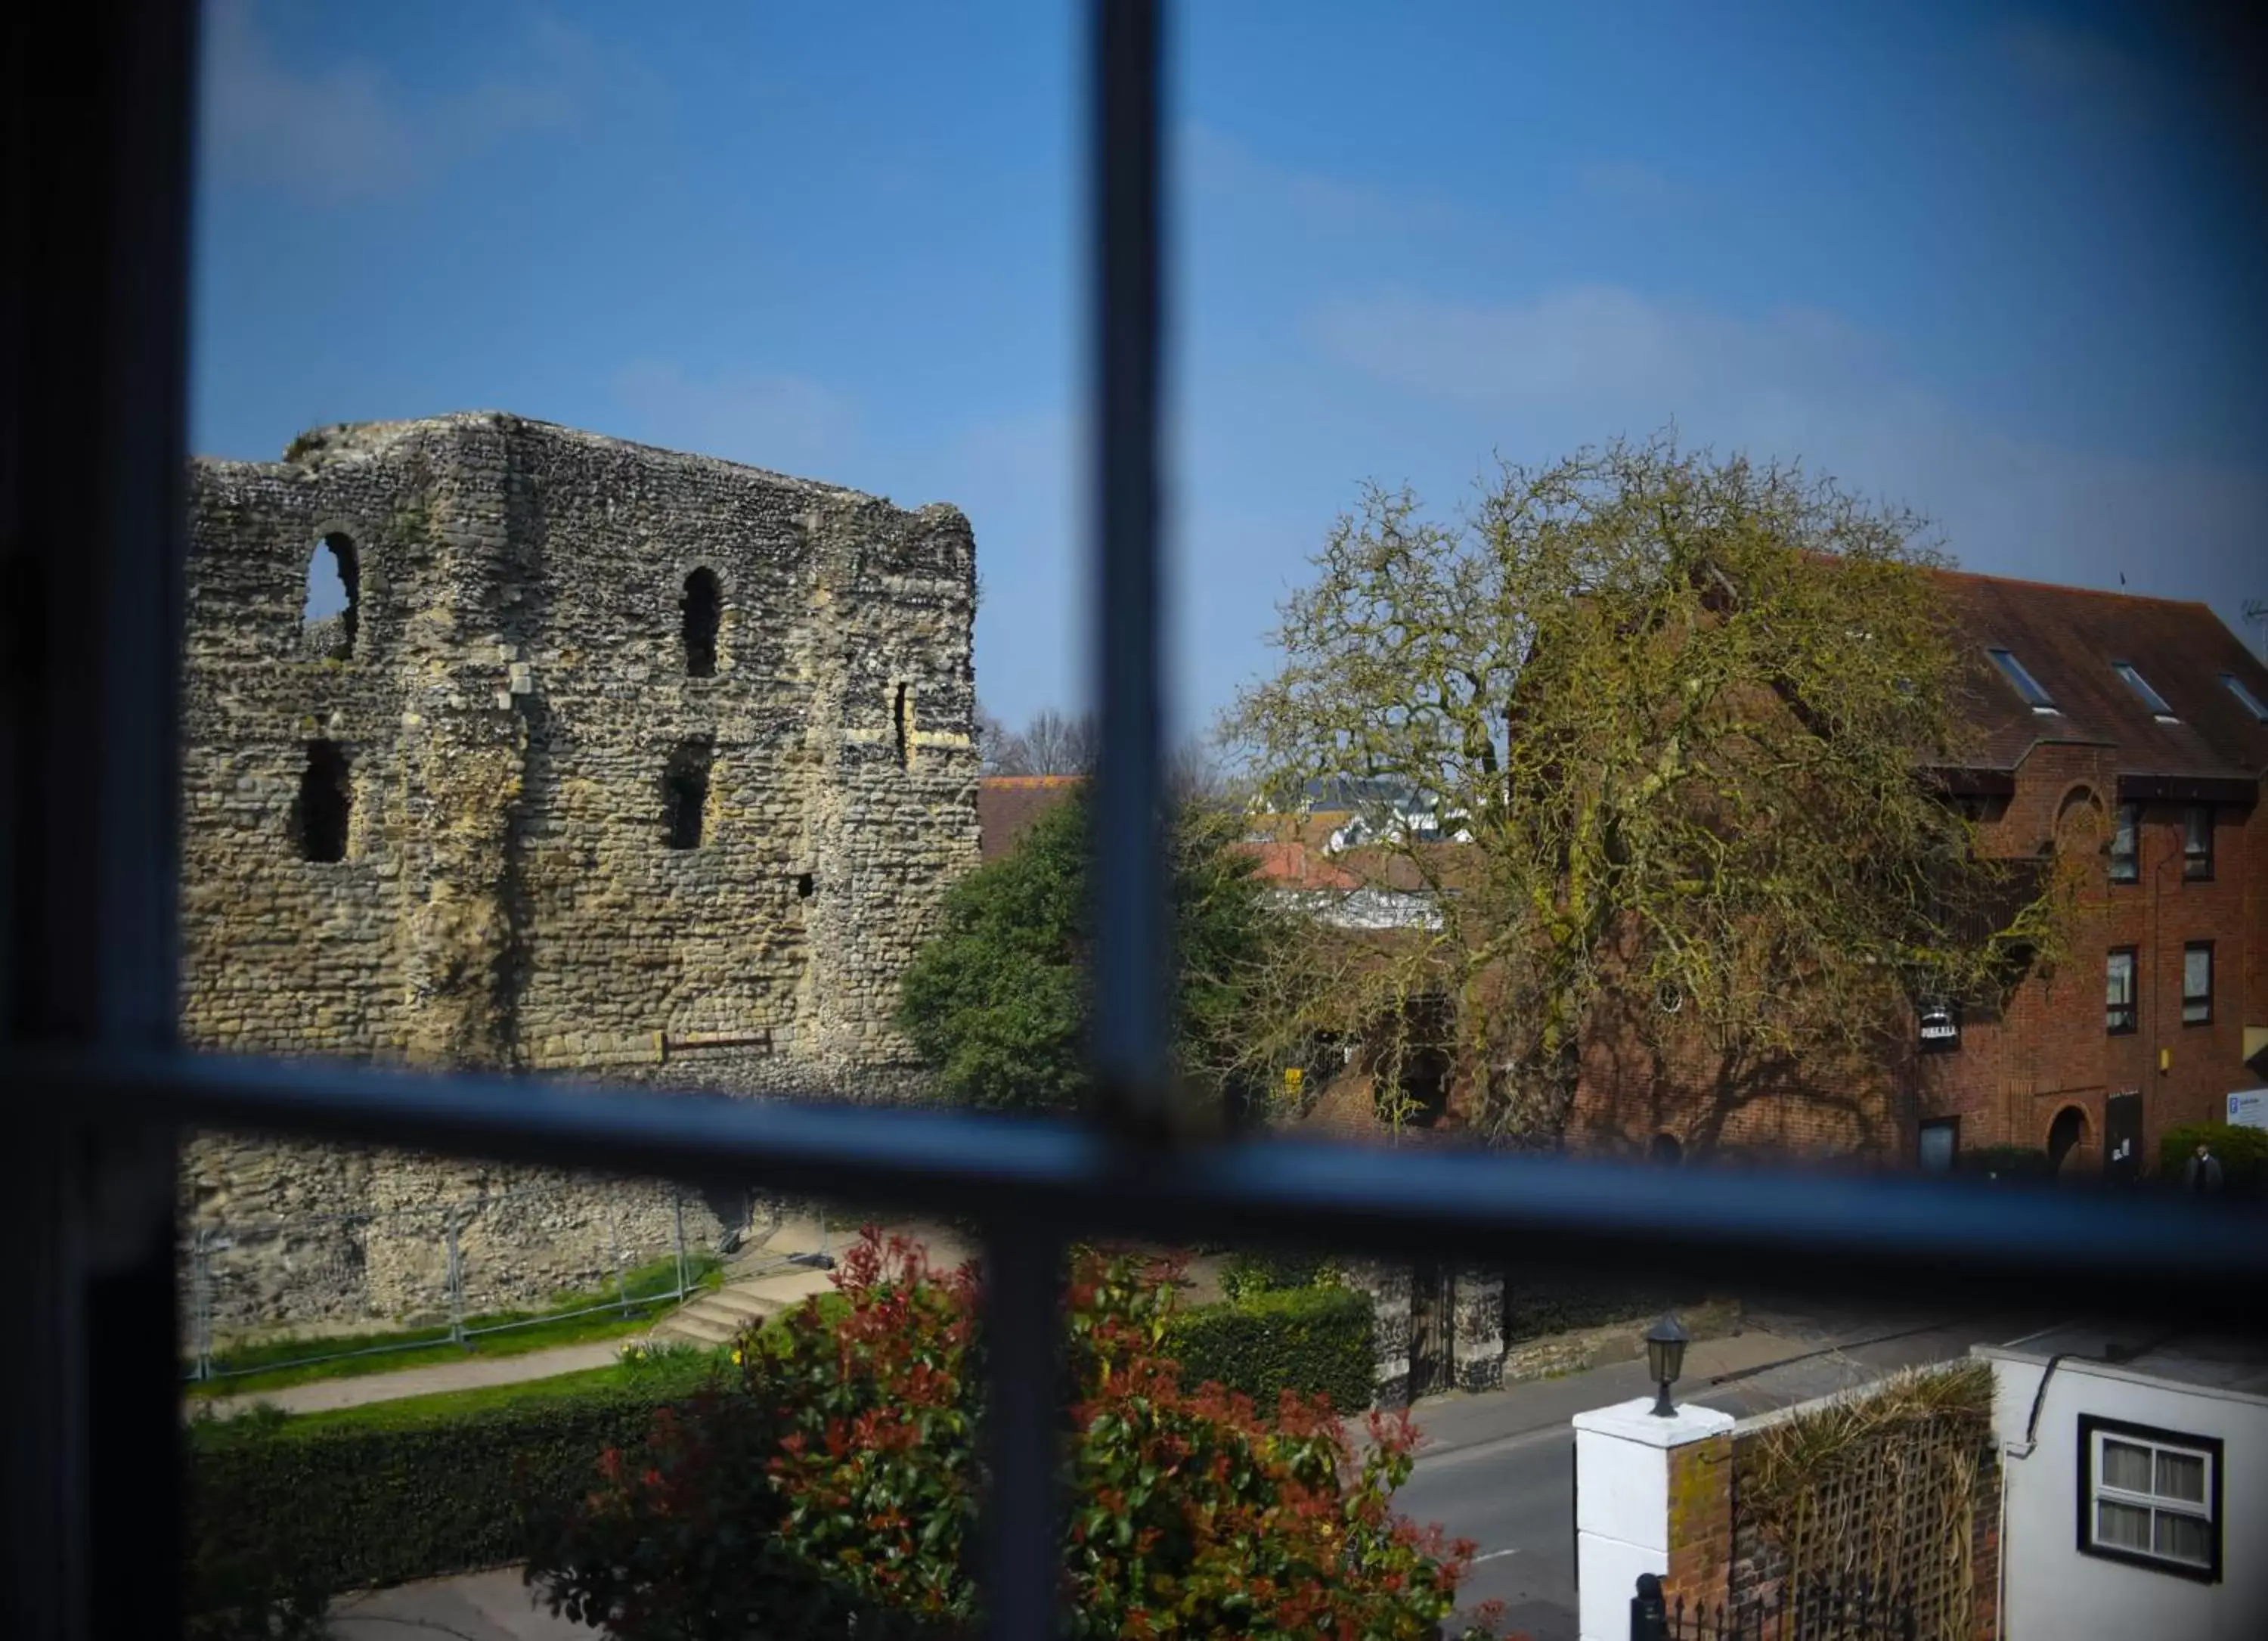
<point>326,801</point>
<point>901,714</point>
<point>685,794</point>
<point>701,606</point>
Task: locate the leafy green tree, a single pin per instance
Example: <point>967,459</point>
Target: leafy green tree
<point>997,1004</point>
<point>1683,712</point>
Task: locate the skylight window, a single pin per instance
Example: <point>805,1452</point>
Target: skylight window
<point>2036,698</point>
<point>2140,685</point>
<point>2252,702</point>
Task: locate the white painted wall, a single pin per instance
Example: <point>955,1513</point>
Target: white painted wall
<point>2050,1592</point>
<point>1621,1504</point>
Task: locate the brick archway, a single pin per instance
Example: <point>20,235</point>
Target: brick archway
<point>2067,1139</point>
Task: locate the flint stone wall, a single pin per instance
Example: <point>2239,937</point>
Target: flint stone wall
<point>508,694</point>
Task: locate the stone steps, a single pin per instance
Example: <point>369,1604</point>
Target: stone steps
<point>720,1316</point>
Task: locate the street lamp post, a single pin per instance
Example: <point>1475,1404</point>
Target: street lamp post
<point>1665,1358</point>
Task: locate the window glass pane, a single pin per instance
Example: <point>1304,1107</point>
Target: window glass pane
<point>2180,1475</point>
<point>2185,1538</point>
<point>2252,703</point>
<point>2122,1527</point>
<point>2125,1467</point>
<point>2016,673</point>
<point>2140,685</point>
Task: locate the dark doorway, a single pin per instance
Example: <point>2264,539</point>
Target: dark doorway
<point>1432,1329</point>
<point>702,606</point>
<point>2066,1134</point>
<point>685,794</point>
<point>1937,1142</point>
<point>2122,1137</point>
<point>1666,1151</point>
<point>326,803</point>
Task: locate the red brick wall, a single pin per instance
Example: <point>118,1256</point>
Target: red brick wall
<point>2048,1050</point>
<point>1700,1523</point>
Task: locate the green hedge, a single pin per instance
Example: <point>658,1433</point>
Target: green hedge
<point>2243,1154</point>
<point>1308,1340</point>
<point>400,1490</point>
<point>428,1486</point>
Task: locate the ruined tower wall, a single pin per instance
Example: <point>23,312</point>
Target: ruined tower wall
<point>514,698</point>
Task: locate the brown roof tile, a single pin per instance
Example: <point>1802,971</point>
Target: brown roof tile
<point>1007,806</point>
<point>2067,638</point>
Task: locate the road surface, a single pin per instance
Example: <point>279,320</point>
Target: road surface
<point>1499,1468</point>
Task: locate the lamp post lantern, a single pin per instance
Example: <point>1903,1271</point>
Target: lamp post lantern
<point>1665,1358</point>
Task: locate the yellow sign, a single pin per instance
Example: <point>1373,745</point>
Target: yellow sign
<point>1293,1076</point>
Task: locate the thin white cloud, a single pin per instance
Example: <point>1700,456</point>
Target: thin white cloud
<point>1539,377</point>
<point>1219,167</point>
<point>788,423</point>
<point>344,131</point>
<point>1629,182</point>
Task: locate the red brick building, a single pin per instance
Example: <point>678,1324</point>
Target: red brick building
<point>2127,737</point>
<point>2131,734</point>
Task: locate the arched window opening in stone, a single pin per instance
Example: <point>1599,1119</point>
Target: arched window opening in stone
<point>702,606</point>
<point>331,612</point>
<point>685,794</point>
<point>901,717</point>
<point>326,803</point>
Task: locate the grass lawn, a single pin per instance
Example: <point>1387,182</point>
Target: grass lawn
<point>277,1363</point>
<point>677,1366</point>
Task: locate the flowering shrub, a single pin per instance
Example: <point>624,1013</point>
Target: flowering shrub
<point>840,1478</point>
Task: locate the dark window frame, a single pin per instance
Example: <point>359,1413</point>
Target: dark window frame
<point>92,522</point>
<point>2189,998</point>
<point>1952,1158</point>
<point>2133,1006</point>
<point>2092,1425</point>
<point>2126,865</point>
<point>2197,861</point>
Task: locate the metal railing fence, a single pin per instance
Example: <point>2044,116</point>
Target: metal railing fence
<point>250,1286</point>
<point>1810,1609</point>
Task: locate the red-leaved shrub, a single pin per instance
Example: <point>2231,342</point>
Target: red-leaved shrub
<point>840,1478</point>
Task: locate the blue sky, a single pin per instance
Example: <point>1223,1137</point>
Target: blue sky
<point>1989,263</point>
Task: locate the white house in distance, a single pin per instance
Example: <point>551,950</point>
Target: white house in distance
<point>2135,1485</point>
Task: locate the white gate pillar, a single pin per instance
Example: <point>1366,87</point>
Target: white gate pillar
<point>1635,1483</point>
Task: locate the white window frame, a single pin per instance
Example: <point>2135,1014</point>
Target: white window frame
<point>2093,1432</point>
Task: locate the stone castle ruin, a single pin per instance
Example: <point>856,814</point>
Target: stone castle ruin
<point>617,762</point>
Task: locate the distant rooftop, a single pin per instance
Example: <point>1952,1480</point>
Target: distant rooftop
<point>2200,1358</point>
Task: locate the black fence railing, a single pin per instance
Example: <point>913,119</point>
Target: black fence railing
<point>1812,1609</point>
